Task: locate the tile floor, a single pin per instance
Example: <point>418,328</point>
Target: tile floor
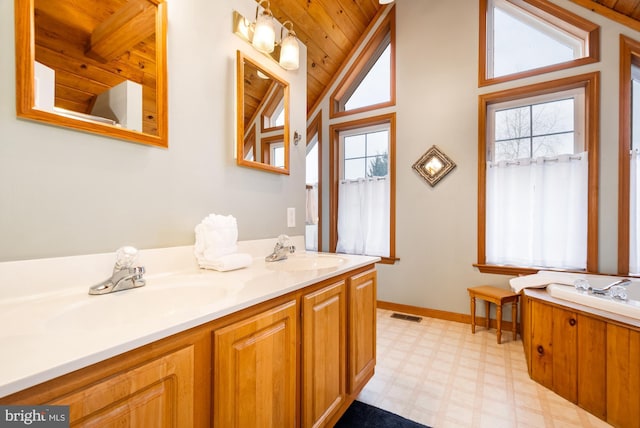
<point>439,374</point>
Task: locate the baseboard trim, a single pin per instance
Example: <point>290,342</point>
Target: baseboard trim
<point>438,314</point>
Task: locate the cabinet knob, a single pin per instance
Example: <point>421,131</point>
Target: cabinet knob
<point>540,349</point>
<point>572,322</point>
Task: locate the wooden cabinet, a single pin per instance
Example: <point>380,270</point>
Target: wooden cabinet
<point>255,370</point>
<point>623,376</point>
<point>259,366</point>
<point>362,329</point>
<point>163,384</point>
<point>323,354</point>
<point>591,374</point>
<point>554,349</point>
<point>585,358</point>
<point>339,346</point>
<point>564,343</point>
<point>159,392</point>
<point>541,338</point>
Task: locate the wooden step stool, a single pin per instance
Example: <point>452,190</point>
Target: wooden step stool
<point>499,296</point>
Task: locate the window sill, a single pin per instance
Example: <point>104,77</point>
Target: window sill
<point>388,260</point>
<point>517,270</point>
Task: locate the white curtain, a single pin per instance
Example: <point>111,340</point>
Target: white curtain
<point>311,218</point>
<point>363,217</point>
<point>536,212</point>
<point>634,214</point>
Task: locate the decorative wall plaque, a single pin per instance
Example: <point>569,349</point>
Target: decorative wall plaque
<point>433,165</point>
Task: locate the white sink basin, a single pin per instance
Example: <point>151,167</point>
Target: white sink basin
<point>307,262</point>
<point>163,296</point>
<point>135,305</point>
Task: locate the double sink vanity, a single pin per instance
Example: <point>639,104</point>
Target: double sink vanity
<point>287,343</point>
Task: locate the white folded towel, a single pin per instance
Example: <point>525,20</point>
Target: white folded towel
<point>542,279</point>
<point>216,236</point>
<point>228,262</point>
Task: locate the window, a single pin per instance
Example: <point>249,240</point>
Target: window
<point>273,113</point>
<point>364,153</point>
<point>370,83</point>
<point>538,160</point>
<point>374,87</point>
<point>363,218</point>
<point>629,159</point>
<point>527,37</point>
<point>273,151</point>
<point>548,125</point>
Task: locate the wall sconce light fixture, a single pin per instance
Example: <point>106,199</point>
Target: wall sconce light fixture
<point>289,49</point>
<point>262,36</point>
<point>264,32</point>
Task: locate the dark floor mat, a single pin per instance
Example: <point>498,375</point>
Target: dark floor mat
<point>362,415</point>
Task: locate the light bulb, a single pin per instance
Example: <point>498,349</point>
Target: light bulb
<point>264,34</point>
<point>290,52</point>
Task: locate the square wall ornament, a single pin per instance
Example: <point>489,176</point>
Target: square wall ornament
<point>433,165</point>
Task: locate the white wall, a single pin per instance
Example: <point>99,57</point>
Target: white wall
<point>437,103</point>
<point>64,192</point>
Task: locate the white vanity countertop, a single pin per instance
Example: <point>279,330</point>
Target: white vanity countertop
<point>50,326</point>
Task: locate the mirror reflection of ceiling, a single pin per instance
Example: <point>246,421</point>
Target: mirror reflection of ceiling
<point>95,45</point>
<point>257,84</point>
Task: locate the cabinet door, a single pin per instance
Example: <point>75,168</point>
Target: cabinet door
<point>255,370</point>
<point>623,376</point>
<point>362,329</point>
<point>158,393</point>
<point>565,358</point>
<point>323,354</point>
<point>541,339</point>
<point>592,339</point>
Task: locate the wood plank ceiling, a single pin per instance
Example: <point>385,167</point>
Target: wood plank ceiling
<point>330,29</point>
<point>630,8</point>
<point>626,12</point>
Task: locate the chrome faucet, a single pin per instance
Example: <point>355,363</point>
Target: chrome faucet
<point>603,290</point>
<point>281,250</point>
<point>125,276</point>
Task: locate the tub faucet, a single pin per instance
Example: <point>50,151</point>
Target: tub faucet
<point>283,247</point>
<point>605,289</point>
<point>124,276</point>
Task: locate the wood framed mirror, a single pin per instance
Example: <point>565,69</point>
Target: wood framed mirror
<point>94,65</point>
<point>262,117</point>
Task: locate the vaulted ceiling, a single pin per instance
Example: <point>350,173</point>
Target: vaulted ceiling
<point>330,29</point>
<point>625,8</point>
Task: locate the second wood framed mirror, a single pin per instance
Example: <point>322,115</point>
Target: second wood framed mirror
<point>262,117</point>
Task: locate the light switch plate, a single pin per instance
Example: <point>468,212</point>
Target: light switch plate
<point>291,217</point>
